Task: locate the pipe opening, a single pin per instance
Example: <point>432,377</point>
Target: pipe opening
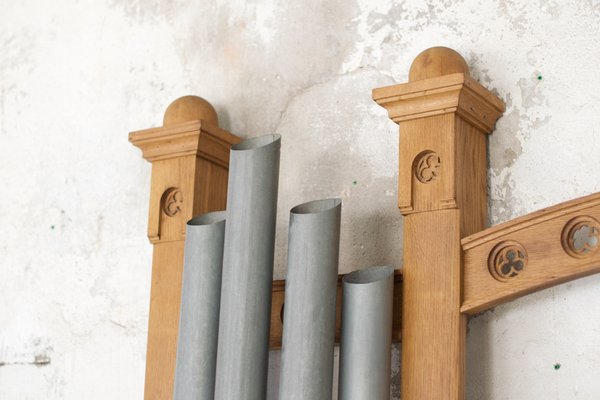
<point>316,206</point>
<point>208,218</point>
<point>369,275</point>
<point>256,142</point>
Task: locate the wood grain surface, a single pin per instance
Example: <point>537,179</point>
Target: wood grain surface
<point>545,237</point>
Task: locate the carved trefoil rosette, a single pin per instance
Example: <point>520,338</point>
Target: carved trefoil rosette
<point>427,166</point>
<point>507,260</point>
<point>172,202</point>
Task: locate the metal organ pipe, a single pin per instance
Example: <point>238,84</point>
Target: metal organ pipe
<point>199,316</point>
<point>243,349</point>
<point>310,296</point>
<point>366,334</point>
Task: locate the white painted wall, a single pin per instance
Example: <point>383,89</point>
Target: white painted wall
<point>76,76</point>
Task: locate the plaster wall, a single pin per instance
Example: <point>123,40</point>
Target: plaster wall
<point>76,76</point>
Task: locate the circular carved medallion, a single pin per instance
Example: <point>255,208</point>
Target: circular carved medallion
<point>581,236</point>
<point>427,166</point>
<point>172,202</point>
<point>507,260</point>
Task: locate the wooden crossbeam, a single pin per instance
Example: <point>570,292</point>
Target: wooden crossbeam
<point>533,252</point>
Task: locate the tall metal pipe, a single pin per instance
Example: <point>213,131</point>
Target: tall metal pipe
<point>310,294</point>
<point>366,334</point>
<point>243,351</point>
<point>199,316</point>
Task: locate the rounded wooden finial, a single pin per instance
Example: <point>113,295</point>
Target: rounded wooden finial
<point>437,61</point>
<point>189,108</point>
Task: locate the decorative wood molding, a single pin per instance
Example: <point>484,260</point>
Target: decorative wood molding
<point>448,94</point>
<point>199,138</point>
<point>190,159</point>
<point>560,244</point>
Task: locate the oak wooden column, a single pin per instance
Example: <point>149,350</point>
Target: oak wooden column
<point>190,160</point>
<point>444,117</point>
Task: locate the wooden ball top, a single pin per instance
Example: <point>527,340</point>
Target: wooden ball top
<point>189,108</point>
<point>437,61</point>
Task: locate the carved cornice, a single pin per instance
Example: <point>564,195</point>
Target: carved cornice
<point>455,93</point>
<point>200,138</point>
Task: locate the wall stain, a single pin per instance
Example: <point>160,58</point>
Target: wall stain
<point>515,15</point>
<point>42,359</point>
<point>504,204</point>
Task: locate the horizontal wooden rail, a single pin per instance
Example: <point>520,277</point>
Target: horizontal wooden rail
<point>278,301</point>
<point>533,252</point>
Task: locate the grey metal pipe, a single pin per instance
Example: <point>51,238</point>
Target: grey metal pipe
<point>199,316</point>
<point>243,351</point>
<point>366,334</point>
<point>310,294</point>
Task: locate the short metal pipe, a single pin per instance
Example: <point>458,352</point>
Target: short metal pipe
<point>243,351</point>
<point>310,295</point>
<point>199,316</point>
<point>366,334</point>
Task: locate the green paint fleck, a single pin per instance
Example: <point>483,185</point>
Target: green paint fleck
<point>52,227</point>
<point>557,366</point>
<point>539,77</point>
<point>355,182</point>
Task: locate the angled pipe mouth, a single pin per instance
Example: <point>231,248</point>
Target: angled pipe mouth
<point>210,218</point>
<point>369,275</point>
<point>316,206</point>
<point>256,142</point>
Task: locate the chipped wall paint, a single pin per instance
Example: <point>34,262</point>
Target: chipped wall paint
<point>76,76</point>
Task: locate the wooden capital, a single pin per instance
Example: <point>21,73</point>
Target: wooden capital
<point>455,93</point>
<point>442,143</point>
<point>190,161</point>
<point>185,156</point>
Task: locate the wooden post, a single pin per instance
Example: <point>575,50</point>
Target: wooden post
<point>190,160</point>
<point>444,117</point>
